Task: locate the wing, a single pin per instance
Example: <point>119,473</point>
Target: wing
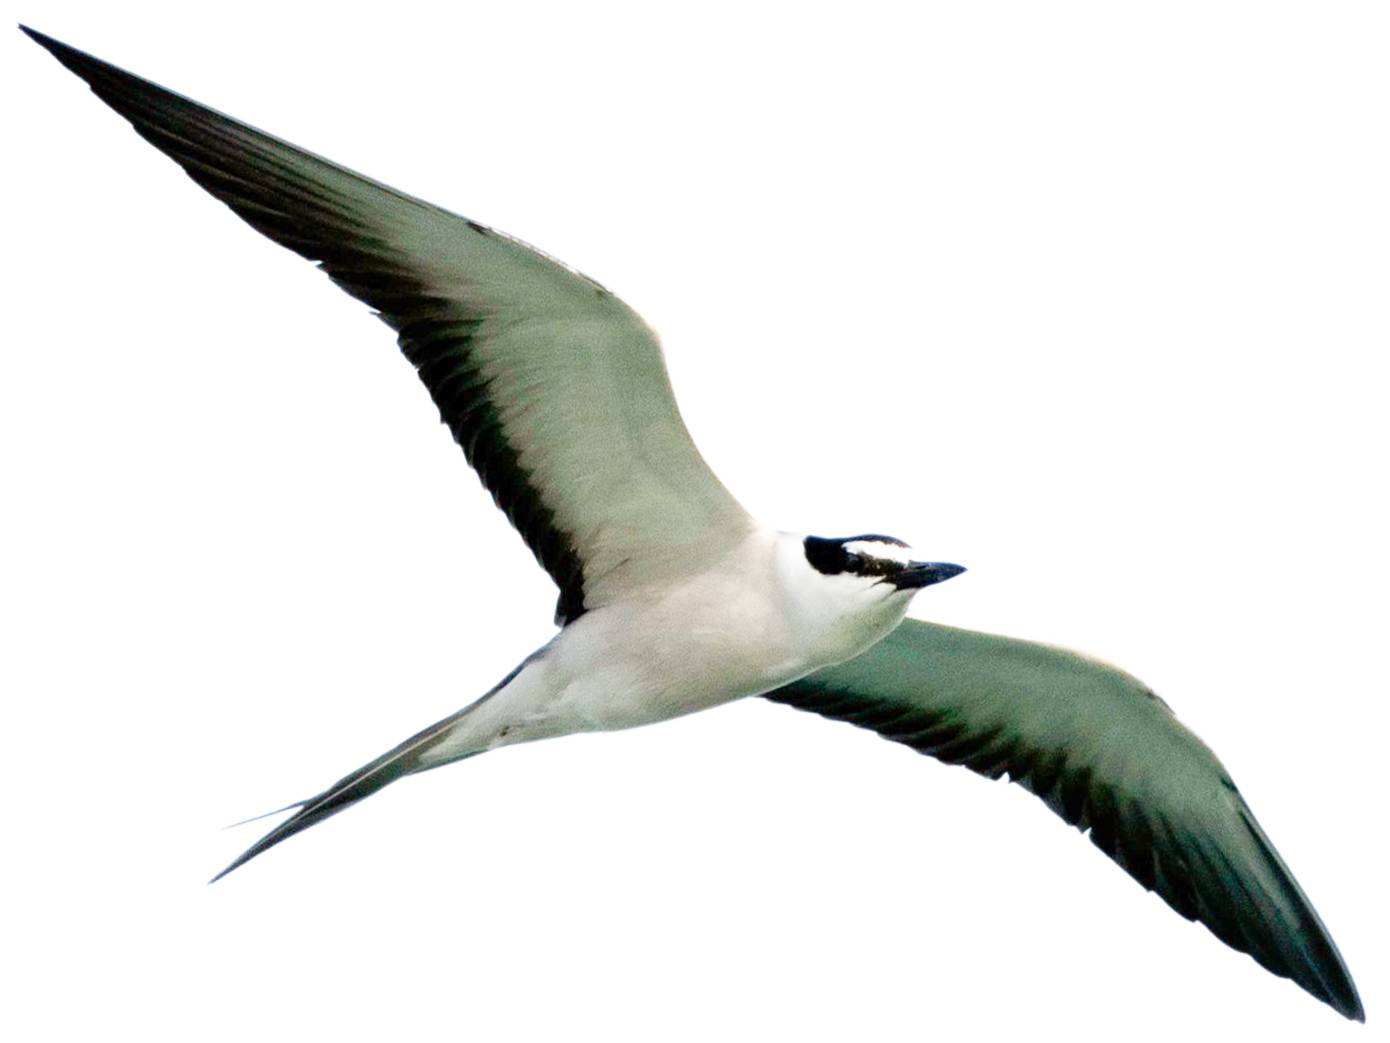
<point>554,388</point>
<point>1108,756</point>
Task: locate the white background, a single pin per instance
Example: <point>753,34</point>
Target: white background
<point>1088,297</point>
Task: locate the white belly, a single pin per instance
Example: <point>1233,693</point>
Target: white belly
<point>725,634</point>
<point>633,664</point>
<point>649,660</point>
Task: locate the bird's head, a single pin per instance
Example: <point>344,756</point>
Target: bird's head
<point>879,566</point>
<point>854,589</point>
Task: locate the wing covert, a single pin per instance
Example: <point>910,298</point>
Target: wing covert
<point>554,388</point>
<point>1108,756</point>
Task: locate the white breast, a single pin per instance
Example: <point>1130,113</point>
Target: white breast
<point>761,617</point>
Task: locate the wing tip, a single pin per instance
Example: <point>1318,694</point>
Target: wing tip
<point>89,68</point>
<point>1338,992</point>
<point>1323,972</point>
<point>1351,1007</point>
<point>62,51</point>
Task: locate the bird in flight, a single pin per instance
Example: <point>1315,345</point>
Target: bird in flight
<point>672,599</point>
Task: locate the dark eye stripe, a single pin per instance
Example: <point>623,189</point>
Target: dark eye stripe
<point>826,556</point>
<point>829,557</point>
<point>878,567</point>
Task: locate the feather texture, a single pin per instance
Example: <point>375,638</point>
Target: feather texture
<point>1109,757</point>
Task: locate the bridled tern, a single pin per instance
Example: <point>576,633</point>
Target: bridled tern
<point>672,598</point>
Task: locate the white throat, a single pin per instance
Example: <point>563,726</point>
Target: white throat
<point>837,616</point>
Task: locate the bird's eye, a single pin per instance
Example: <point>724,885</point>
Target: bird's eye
<point>854,563</point>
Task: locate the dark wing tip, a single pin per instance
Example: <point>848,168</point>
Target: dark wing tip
<point>1310,956</point>
<point>69,56</point>
<point>84,65</point>
<point>1221,871</point>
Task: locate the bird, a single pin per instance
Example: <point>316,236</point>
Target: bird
<point>671,597</point>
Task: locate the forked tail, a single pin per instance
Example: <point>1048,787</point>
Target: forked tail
<point>396,763</point>
<point>441,743</point>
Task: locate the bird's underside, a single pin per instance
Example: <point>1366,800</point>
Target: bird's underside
<point>558,396</point>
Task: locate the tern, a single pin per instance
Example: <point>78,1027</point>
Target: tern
<point>672,599</point>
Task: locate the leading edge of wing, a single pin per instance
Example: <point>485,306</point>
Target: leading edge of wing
<point>554,389</point>
<point>1108,756</point>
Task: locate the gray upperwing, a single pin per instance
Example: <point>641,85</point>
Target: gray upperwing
<point>1107,755</point>
<point>555,389</point>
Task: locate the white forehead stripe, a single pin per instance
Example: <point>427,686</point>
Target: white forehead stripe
<point>883,551</point>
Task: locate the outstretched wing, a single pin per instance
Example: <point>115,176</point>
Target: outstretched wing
<point>1107,755</point>
<point>554,388</point>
